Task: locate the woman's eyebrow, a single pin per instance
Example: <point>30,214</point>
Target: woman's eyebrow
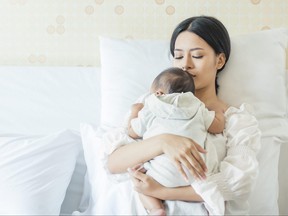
<point>193,49</point>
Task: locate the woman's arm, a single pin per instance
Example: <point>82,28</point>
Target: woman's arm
<point>131,154</point>
<point>186,193</point>
<point>238,171</point>
<point>181,151</point>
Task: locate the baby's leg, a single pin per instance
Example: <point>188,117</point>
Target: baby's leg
<point>153,205</point>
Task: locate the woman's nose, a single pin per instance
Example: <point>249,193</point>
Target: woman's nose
<point>187,64</point>
<point>184,68</point>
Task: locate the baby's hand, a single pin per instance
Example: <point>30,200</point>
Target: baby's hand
<point>135,108</point>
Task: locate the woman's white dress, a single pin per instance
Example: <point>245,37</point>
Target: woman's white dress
<point>238,168</point>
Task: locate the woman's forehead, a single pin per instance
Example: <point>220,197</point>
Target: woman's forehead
<point>189,40</point>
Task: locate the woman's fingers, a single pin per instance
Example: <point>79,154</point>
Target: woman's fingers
<point>193,161</point>
<point>139,167</point>
<point>137,180</point>
<point>145,184</point>
<point>181,170</point>
<point>200,148</point>
<point>194,167</point>
<point>137,176</point>
<point>140,181</point>
<point>199,158</point>
<point>185,152</point>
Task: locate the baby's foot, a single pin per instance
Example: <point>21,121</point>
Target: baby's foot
<point>159,212</point>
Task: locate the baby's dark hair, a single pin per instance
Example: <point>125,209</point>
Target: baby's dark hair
<point>174,80</point>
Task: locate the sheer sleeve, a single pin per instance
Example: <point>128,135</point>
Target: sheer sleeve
<point>239,169</point>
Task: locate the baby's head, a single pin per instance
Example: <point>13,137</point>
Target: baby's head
<point>173,80</point>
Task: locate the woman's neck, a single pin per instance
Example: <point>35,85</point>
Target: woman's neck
<point>207,96</point>
<point>211,100</point>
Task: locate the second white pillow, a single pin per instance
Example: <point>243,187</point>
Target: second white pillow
<point>35,172</point>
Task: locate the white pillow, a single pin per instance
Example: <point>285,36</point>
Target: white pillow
<point>264,199</point>
<point>75,188</point>
<point>35,172</point>
<point>44,100</point>
<point>127,70</point>
<point>255,74</point>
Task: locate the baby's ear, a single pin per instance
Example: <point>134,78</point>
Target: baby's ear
<point>159,92</point>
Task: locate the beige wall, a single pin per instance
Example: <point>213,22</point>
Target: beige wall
<point>65,32</point>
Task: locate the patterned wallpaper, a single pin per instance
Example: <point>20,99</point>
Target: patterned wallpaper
<point>65,32</point>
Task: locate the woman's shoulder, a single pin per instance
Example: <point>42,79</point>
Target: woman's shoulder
<point>229,109</point>
<point>242,113</point>
<point>238,118</point>
<point>242,127</point>
<point>243,108</point>
<point>218,106</point>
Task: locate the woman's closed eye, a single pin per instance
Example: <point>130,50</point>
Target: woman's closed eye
<point>194,56</point>
<point>197,57</point>
<point>178,57</point>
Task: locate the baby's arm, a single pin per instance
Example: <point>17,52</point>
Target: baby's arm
<point>135,108</point>
<point>218,124</point>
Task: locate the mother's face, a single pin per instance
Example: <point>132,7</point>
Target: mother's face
<point>194,55</point>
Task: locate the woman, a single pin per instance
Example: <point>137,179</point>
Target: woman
<point>200,46</point>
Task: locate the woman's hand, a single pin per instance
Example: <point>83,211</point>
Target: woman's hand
<point>148,186</point>
<point>185,152</point>
<point>145,184</point>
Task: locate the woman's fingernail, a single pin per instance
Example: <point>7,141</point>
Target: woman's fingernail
<point>129,170</point>
<point>140,167</point>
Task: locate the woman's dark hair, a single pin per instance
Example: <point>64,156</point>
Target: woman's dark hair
<point>210,30</point>
<point>174,80</point>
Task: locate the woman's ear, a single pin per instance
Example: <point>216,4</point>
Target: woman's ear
<point>221,59</point>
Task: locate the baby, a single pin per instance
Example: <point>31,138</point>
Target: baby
<point>172,108</point>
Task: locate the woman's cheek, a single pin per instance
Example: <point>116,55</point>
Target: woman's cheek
<point>175,63</point>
